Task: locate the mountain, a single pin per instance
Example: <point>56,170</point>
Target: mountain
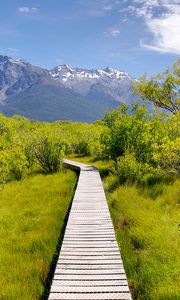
<point>17,76</point>
<point>64,92</point>
<point>112,83</point>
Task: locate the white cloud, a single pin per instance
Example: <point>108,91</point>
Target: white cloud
<point>165,28</point>
<point>112,33</point>
<point>108,7</point>
<point>27,10</point>
<point>166,32</point>
<point>162,19</point>
<point>115,32</point>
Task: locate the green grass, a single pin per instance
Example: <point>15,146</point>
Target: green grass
<point>32,214</point>
<point>147,234</point>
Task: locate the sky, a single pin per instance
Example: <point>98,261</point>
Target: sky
<point>136,36</point>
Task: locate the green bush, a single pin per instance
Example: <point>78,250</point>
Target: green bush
<point>17,164</point>
<point>48,152</point>
<point>128,169</point>
<point>82,148</point>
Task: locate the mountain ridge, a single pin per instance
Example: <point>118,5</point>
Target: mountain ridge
<point>24,88</point>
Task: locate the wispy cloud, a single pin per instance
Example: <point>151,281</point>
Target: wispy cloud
<point>27,10</point>
<point>162,19</point>
<point>119,55</point>
<point>12,50</point>
<point>115,32</point>
<point>112,33</point>
<point>108,7</point>
<point>99,8</point>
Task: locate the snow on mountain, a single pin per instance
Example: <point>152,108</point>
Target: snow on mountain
<point>83,80</point>
<point>69,72</point>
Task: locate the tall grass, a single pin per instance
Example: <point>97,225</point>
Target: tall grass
<point>147,234</point>
<point>32,214</point>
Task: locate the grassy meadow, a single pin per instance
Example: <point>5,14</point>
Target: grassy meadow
<point>147,233</point>
<point>33,214</point>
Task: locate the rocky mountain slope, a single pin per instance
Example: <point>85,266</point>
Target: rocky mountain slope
<point>63,93</point>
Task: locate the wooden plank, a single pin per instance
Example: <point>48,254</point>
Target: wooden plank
<point>85,248</point>
<point>93,277</point>
<point>85,227</point>
<point>89,232</point>
<point>90,253</point>
<point>88,238</point>
<point>89,289</point>
<point>82,235</point>
<point>89,257</point>
<point>91,261</point>
<point>90,296</point>
<point>87,267</point>
<point>88,243</point>
<point>89,272</point>
<point>96,283</point>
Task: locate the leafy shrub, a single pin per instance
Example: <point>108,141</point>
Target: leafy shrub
<point>13,164</point>
<point>4,166</point>
<point>28,151</point>
<point>82,148</point>
<point>128,169</point>
<point>17,163</point>
<point>48,152</point>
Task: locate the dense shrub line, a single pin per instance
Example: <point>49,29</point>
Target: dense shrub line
<point>139,143</point>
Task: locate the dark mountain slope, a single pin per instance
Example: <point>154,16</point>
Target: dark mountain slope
<point>49,102</point>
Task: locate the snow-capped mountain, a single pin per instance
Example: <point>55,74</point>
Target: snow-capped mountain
<point>114,82</point>
<point>17,75</point>
<point>64,92</point>
<point>66,72</point>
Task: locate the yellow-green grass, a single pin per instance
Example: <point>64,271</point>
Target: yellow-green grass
<point>148,237</point>
<point>32,215</point>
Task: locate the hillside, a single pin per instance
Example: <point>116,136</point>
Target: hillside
<point>65,92</point>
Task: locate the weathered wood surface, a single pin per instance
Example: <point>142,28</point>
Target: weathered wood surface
<point>89,266</point>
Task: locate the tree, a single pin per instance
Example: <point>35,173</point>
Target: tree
<point>162,89</point>
<point>48,151</point>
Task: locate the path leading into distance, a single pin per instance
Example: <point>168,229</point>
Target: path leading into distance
<point>89,266</point>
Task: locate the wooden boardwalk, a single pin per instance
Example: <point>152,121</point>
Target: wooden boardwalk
<point>89,265</point>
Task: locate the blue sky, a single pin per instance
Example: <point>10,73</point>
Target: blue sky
<point>131,35</point>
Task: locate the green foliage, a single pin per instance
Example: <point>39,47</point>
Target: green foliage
<point>48,152</point>
<point>153,139</point>
<point>128,169</point>
<point>162,89</point>
<point>128,133</point>
<point>13,162</point>
<point>17,163</point>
